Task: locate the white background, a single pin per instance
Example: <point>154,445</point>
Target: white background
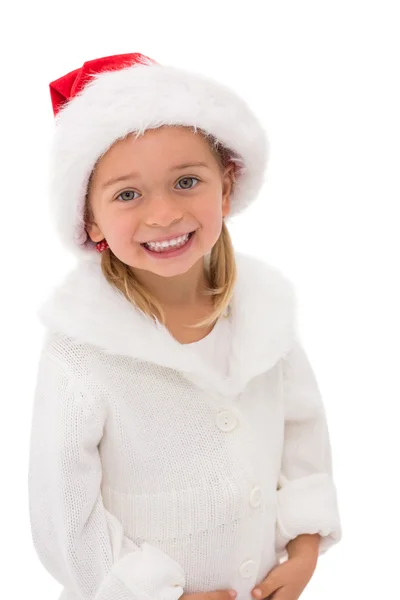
<point>323,78</point>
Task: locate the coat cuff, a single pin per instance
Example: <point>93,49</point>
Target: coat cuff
<point>307,505</point>
<point>148,574</point>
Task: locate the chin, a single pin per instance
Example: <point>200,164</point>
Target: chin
<point>170,270</point>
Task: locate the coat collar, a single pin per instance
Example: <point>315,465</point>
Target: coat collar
<point>88,309</point>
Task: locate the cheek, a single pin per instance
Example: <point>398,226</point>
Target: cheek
<point>210,218</point>
<point>121,227</point>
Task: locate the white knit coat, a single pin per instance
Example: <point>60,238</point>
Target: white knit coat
<point>151,474</point>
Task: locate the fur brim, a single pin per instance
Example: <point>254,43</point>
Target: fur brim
<point>135,99</point>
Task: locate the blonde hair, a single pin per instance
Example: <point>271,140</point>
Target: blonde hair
<point>221,269</point>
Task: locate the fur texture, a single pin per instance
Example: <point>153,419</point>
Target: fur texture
<point>86,308</point>
<point>135,99</point>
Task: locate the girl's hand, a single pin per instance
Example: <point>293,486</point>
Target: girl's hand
<point>218,595</point>
<point>286,581</point>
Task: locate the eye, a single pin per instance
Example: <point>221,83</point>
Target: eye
<point>187,179</point>
<point>123,196</point>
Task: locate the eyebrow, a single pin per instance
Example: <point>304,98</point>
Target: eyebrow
<point>132,175</point>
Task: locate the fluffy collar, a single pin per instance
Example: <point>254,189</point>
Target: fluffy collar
<point>263,312</point>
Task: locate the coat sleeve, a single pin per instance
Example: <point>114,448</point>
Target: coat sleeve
<point>77,540</point>
<point>306,493</point>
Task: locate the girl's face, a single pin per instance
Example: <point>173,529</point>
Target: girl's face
<point>150,188</point>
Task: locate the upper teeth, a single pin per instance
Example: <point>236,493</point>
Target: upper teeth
<point>166,244</point>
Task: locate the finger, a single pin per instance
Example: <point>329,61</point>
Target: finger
<point>267,587</point>
<point>274,580</point>
<point>222,595</point>
<point>218,595</point>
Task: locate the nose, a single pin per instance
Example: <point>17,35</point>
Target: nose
<point>162,210</point>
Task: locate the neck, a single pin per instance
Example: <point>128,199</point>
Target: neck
<point>178,292</point>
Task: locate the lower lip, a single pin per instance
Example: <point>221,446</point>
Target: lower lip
<point>171,253</point>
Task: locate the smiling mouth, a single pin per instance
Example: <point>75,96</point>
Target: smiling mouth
<point>169,245</point>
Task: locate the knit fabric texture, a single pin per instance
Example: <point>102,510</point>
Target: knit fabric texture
<point>146,480</point>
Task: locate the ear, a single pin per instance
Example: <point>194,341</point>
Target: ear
<point>228,180</point>
<point>94,232</point>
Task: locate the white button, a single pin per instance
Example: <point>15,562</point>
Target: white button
<point>248,568</point>
<point>226,420</point>
<point>255,496</point>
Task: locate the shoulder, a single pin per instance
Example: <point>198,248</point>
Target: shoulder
<point>65,385</point>
<point>73,357</point>
<point>69,364</point>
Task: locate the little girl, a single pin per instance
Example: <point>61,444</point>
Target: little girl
<point>179,442</point>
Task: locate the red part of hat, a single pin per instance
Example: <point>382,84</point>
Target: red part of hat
<point>68,86</point>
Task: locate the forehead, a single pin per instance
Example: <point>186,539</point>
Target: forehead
<point>163,146</point>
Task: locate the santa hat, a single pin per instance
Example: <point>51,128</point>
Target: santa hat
<point>110,97</point>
